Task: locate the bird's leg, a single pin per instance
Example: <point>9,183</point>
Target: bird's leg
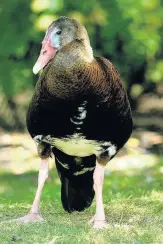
<point>34,214</point>
<point>43,175</point>
<point>98,220</point>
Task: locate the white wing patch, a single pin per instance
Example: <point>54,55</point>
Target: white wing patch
<point>77,145</point>
<point>76,122</point>
<point>81,115</point>
<point>84,170</point>
<point>63,165</point>
<point>111,150</point>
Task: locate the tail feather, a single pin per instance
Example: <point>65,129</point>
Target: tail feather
<point>77,191</point>
<point>75,194</point>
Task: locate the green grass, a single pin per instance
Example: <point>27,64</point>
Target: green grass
<point>133,205</point>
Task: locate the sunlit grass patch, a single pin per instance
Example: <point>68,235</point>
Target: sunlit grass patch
<point>133,202</point>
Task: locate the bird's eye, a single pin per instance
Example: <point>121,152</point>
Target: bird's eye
<point>58,32</point>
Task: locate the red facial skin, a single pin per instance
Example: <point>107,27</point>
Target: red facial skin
<point>46,54</point>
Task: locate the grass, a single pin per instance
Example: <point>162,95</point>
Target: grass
<point>133,205</point>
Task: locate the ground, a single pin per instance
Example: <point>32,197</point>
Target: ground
<point>133,198</point>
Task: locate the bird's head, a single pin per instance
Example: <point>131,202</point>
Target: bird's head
<point>60,33</point>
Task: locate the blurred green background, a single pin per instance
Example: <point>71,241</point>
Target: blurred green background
<point>128,32</point>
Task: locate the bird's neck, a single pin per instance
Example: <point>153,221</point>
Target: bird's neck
<point>64,76</point>
<point>74,54</point>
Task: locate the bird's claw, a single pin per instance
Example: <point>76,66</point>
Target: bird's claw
<point>31,217</point>
<point>98,224</point>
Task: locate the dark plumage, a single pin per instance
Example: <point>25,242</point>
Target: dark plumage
<point>77,190</point>
<point>79,112</point>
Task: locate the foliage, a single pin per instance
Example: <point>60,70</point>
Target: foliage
<point>128,32</point>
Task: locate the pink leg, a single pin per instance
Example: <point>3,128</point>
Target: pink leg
<point>98,220</point>
<point>34,214</point>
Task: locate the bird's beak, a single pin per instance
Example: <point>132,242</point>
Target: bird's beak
<point>46,54</point>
